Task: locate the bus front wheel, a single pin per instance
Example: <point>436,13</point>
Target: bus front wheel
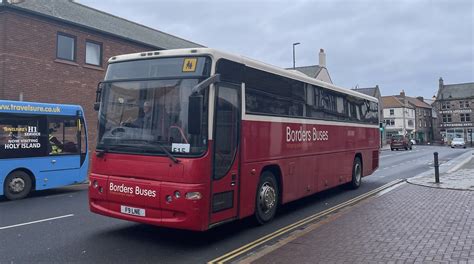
<point>17,185</point>
<point>356,173</point>
<point>267,198</point>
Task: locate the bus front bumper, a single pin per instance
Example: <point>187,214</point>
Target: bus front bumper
<point>174,205</point>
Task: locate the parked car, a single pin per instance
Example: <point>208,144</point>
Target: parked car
<point>400,142</point>
<point>458,142</point>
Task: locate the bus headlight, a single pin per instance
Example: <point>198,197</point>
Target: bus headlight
<point>95,184</point>
<point>177,194</point>
<point>193,196</point>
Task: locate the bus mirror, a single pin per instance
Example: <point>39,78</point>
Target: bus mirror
<point>195,114</point>
<point>98,95</point>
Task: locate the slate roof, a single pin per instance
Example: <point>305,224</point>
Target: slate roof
<point>417,103</point>
<point>368,91</point>
<point>456,91</point>
<point>312,71</point>
<point>393,102</point>
<point>74,13</point>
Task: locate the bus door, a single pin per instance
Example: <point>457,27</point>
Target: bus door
<point>225,178</point>
<point>64,152</point>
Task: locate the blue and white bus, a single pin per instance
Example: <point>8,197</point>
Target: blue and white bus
<point>42,146</point>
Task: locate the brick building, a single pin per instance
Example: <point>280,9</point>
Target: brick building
<point>454,105</point>
<point>399,116</point>
<point>56,51</point>
<point>411,116</point>
<point>423,132</point>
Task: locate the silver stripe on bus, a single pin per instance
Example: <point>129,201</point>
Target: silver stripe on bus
<point>260,118</point>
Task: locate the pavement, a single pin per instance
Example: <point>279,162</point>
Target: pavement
<point>418,221</point>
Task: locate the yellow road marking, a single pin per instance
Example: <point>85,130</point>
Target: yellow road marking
<point>245,248</point>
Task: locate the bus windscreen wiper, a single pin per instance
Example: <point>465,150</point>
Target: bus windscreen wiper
<point>173,158</point>
<point>101,152</point>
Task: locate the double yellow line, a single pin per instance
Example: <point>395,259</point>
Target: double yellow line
<point>240,251</point>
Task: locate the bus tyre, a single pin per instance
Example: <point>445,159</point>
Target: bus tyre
<point>267,198</point>
<point>356,174</point>
<point>17,185</point>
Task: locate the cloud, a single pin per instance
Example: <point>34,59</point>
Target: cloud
<point>395,44</point>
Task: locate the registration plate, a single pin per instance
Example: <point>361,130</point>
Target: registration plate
<point>132,210</point>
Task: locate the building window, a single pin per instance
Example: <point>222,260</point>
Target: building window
<point>410,123</point>
<point>392,112</point>
<point>93,53</point>
<point>389,122</point>
<point>465,117</point>
<point>464,104</point>
<point>447,118</point>
<point>66,47</point>
<point>446,105</point>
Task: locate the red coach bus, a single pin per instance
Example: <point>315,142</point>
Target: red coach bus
<point>194,138</point>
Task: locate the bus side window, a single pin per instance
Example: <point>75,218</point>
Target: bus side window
<point>22,136</point>
<point>83,137</point>
<point>62,136</point>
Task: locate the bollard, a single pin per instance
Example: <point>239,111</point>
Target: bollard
<point>436,167</point>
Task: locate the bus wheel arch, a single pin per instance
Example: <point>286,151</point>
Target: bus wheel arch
<point>18,184</point>
<point>268,195</point>
<point>357,171</point>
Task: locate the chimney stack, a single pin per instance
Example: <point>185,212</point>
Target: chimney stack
<point>402,93</point>
<point>420,98</point>
<point>322,58</point>
<point>441,83</point>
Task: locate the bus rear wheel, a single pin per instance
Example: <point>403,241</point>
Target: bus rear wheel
<point>17,185</point>
<point>356,174</point>
<point>267,198</point>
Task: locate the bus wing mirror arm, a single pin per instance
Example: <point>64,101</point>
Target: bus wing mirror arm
<point>202,85</point>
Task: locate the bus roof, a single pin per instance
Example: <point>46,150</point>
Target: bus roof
<point>215,54</point>
<point>21,107</point>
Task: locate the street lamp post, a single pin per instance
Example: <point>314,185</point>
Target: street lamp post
<point>294,44</point>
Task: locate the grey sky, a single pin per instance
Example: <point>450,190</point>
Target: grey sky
<point>399,44</point>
